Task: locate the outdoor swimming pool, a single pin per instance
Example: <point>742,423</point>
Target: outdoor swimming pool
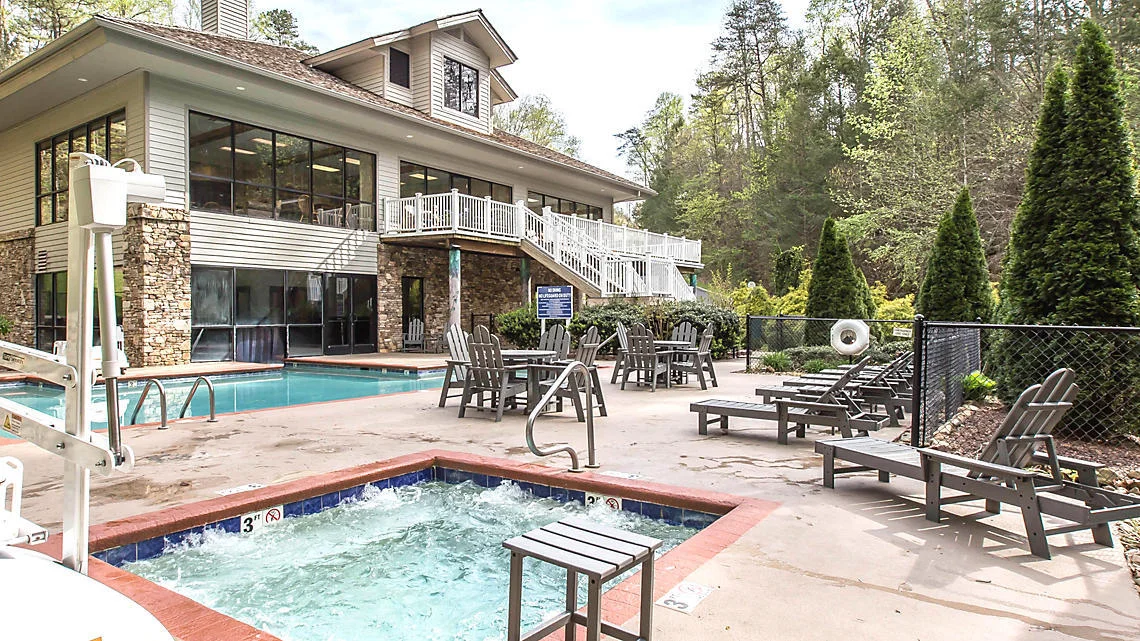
<point>420,561</point>
<point>233,393</point>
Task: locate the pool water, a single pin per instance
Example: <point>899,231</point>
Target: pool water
<point>233,393</point>
<point>418,562</point>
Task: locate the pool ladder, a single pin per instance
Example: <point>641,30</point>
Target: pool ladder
<point>555,387</point>
<point>154,382</point>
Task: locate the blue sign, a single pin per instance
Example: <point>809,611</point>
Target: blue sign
<point>556,303</point>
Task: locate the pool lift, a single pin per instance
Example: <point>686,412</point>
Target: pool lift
<point>98,196</point>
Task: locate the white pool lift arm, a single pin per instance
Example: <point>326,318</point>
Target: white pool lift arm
<point>98,194</point>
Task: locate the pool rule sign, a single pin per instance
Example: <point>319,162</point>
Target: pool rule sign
<point>555,303</point>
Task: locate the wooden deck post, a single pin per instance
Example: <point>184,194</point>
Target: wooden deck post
<point>454,287</point>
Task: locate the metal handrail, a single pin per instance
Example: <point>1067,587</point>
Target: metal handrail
<point>161,398</point>
<point>546,398</point>
<point>210,386</point>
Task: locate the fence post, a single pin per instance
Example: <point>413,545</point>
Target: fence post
<point>747,343</point>
<point>916,395</point>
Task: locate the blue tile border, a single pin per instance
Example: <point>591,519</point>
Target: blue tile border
<point>153,547</point>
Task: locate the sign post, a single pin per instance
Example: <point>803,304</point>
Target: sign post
<point>555,303</point>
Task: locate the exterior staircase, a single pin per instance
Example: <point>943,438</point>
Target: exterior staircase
<point>601,259</point>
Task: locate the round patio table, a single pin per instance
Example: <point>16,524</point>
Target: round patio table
<point>528,355</point>
<point>671,344</point>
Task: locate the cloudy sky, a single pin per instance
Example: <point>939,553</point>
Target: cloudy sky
<point>601,63</point>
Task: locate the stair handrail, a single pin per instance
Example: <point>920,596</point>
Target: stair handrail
<point>566,233</point>
<point>556,385</point>
<point>153,382</point>
<point>209,386</point>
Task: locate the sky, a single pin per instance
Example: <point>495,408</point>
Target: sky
<point>602,64</point>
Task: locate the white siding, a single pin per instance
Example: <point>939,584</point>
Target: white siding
<point>421,73</point>
<point>227,17</point>
<point>166,142</point>
<point>388,174</point>
<point>238,241</point>
<point>52,240</point>
<point>368,74</point>
<point>443,46</point>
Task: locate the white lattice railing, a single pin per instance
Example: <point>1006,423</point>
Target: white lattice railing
<point>584,247</point>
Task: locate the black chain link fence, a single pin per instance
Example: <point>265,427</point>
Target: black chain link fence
<point>1106,361</point>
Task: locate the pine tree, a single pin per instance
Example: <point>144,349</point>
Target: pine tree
<point>957,282</point>
<point>1023,297</point>
<point>1092,250</point>
<point>787,265</point>
<point>835,290</point>
<point>869,307</point>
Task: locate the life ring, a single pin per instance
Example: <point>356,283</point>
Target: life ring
<point>850,337</point>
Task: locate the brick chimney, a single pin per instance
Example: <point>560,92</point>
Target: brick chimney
<point>226,17</point>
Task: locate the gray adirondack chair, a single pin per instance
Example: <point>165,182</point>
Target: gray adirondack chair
<point>622,350</point>
<point>697,360</point>
<point>414,337</point>
<point>644,360</point>
<point>556,339</point>
<point>588,346</point>
<point>999,474</point>
<point>458,365</point>
<point>685,331</point>
<point>488,375</point>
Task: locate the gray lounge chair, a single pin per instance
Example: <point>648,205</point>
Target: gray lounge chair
<point>575,386</point>
<point>645,361</point>
<point>999,474</point>
<point>832,409</point>
<point>623,348</point>
<point>696,361</point>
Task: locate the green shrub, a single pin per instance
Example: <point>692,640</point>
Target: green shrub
<point>777,362</point>
<point>605,318</point>
<point>5,326</point>
<point>520,327</point>
<point>727,332</point>
<point>976,386</point>
<point>751,301</point>
<point>801,355</point>
<point>817,365</point>
<point>787,267</point>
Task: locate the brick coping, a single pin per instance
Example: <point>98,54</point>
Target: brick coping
<point>188,620</point>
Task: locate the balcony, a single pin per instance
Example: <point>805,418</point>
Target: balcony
<point>456,213</point>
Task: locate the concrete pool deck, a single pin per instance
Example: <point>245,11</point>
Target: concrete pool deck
<point>859,562</point>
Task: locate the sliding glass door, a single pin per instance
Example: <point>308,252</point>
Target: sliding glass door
<point>350,314</point>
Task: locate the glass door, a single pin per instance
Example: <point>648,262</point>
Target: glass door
<point>338,314</point>
<point>363,314</point>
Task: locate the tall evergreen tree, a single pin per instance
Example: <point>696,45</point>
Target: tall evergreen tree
<point>787,265</point>
<point>1024,298</point>
<point>956,286</point>
<point>1092,249</point>
<point>835,290</point>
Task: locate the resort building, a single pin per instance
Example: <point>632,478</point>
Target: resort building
<point>315,204</point>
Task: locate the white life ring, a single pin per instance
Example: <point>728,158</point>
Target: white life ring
<point>850,337</point>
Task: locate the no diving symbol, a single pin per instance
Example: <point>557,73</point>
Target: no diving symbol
<point>613,503</point>
<point>273,514</point>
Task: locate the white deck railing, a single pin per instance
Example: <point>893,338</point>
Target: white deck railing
<point>482,216</point>
<point>585,247</point>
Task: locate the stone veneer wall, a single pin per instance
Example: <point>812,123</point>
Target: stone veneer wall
<point>17,284</point>
<point>156,286</point>
<point>491,285</point>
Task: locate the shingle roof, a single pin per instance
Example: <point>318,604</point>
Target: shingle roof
<point>289,62</point>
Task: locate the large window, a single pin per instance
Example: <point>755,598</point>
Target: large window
<point>460,87</point>
<point>411,299</point>
<point>241,169</point>
<point>106,137</point>
<point>51,307</point>
<point>417,179</point>
<point>399,68</point>
<point>255,315</point>
<point>562,206</point>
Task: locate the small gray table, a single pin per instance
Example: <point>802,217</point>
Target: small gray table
<point>528,355</point>
<point>599,552</point>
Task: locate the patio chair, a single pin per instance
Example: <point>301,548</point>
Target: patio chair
<point>832,408</point>
<point>457,364</point>
<point>644,360</point>
<point>488,375</point>
<point>414,337</point>
<point>685,331</point>
<point>587,352</point>
<point>556,339</point>
<point>623,348</point>
<point>999,474</point>
<point>697,360</point>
